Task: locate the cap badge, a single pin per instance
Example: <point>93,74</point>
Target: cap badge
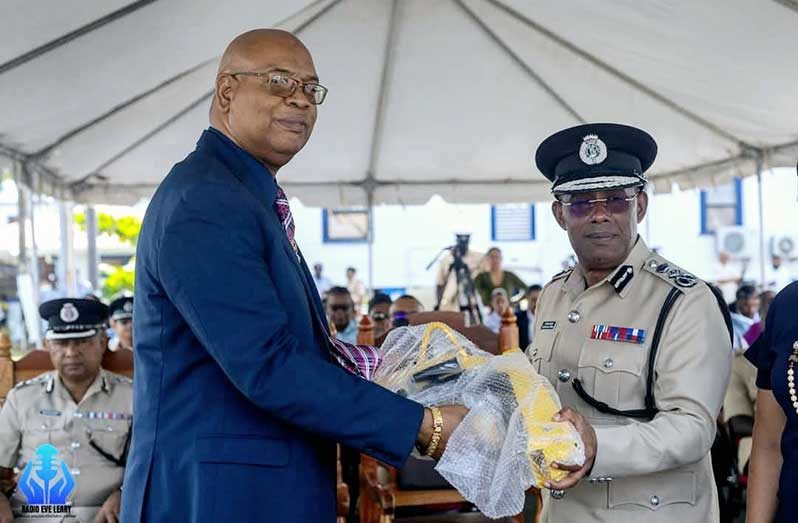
<point>128,306</point>
<point>69,313</point>
<point>593,151</point>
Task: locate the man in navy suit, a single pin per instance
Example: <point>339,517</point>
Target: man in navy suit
<point>239,394</point>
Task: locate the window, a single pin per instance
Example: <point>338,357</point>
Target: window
<point>722,206</point>
<point>513,222</point>
<point>345,225</point>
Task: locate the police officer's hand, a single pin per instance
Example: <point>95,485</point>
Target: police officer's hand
<point>452,416</point>
<point>588,435</point>
<point>109,512</point>
<point>6,516</point>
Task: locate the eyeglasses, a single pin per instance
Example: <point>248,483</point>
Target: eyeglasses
<point>616,204</point>
<point>339,307</point>
<point>282,85</point>
<point>379,316</point>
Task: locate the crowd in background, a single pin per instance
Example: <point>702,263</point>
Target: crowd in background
<point>497,290</point>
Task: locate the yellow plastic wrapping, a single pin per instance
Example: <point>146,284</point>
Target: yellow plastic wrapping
<point>508,441</point>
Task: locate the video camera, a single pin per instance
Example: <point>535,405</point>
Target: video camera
<point>460,248</point>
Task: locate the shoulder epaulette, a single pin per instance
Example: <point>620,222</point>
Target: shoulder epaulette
<point>671,274</point>
<point>562,274</point>
<point>38,379</point>
<point>118,378</point>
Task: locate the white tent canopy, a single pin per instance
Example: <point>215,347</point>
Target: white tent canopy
<point>450,97</point>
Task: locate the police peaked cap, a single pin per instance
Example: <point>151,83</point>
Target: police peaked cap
<point>595,157</point>
<point>73,317</point>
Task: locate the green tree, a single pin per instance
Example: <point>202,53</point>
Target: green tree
<point>126,228</point>
<point>121,279</point>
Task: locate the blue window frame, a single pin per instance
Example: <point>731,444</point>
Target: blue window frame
<point>721,206</point>
<point>512,222</point>
<point>345,225</point>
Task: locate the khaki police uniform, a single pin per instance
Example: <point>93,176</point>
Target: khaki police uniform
<point>740,400</point>
<point>41,410</point>
<point>655,470</point>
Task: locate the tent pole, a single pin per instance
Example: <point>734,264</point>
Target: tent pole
<point>370,203</point>
<point>34,252</point>
<point>66,265</point>
<point>26,176</point>
<point>23,206</point>
<point>91,246</point>
<point>22,218</point>
<point>759,163</point>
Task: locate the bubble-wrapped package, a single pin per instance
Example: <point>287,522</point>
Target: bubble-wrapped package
<point>507,442</point>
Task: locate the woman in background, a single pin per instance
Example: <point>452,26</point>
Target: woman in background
<point>773,470</point>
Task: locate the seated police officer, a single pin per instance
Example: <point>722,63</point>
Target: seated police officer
<point>638,349</point>
<point>67,431</point>
<point>121,310</point>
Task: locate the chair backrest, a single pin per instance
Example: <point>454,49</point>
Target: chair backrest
<point>38,361</point>
<point>455,320</point>
<point>482,337</point>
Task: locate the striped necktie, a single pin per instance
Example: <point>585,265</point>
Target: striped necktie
<point>286,218</point>
<point>357,359</point>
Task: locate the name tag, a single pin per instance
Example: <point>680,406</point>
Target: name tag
<point>548,325</point>
<point>50,412</point>
<point>611,333</point>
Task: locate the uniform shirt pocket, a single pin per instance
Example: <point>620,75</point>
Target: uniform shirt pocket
<point>613,372</point>
<point>654,491</point>
<point>43,426</point>
<point>110,435</point>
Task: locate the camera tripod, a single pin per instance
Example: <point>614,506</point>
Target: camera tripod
<point>466,295</point>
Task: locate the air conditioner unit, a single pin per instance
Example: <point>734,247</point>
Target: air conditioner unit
<point>738,242</point>
<point>784,245</point>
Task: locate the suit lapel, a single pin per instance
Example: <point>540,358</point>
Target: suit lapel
<point>263,187</point>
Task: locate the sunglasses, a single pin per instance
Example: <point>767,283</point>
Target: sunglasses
<point>339,307</point>
<point>580,207</point>
<point>379,316</point>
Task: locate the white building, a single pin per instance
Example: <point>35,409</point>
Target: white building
<point>407,238</point>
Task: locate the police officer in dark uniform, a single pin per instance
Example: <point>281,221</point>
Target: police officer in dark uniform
<point>121,310</point>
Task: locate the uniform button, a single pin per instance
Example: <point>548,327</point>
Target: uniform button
<point>608,363</point>
<point>534,352</point>
<point>557,494</point>
<point>654,500</point>
<point>75,445</point>
<point>574,316</point>
<point>564,375</point>
<point>653,264</point>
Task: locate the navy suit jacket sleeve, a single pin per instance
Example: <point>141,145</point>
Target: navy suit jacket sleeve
<point>212,265</point>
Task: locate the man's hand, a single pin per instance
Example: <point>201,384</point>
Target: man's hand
<point>109,512</point>
<point>452,416</point>
<point>6,515</point>
<point>588,435</point>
